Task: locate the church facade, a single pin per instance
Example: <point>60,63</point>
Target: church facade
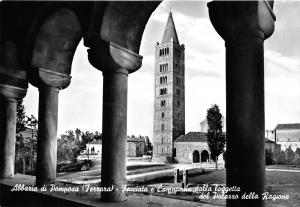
<point>192,148</point>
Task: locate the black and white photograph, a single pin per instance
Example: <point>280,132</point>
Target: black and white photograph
<point>150,103</point>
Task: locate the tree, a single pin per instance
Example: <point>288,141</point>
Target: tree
<point>78,134</point>
<point>279,157</point>
<point>67,148</point>
<point>25,146</point>
<point>296,160</point>
<point>72,143</point>
<point>148,145</point>
<point>290,155</point>
<point>215,136</point>
<point>21,117</point>
<point>269,157</point>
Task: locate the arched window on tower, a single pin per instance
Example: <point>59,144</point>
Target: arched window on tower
<point>163,91</point>
<point>163,80</point>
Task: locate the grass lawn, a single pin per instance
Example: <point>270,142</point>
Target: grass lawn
<point>96,174</point>
<point>277,182</point>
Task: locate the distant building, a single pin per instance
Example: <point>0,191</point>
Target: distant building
<point>28,133</point>
<point>94,147</point>
<point>135,147</point>
<point>204,125</point>
<point>288,135</point>
<point>271,145</point>
<point>192,148</point>
<point>270,134</point>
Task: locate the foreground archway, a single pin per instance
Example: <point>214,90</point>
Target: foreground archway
<point>114,49</point>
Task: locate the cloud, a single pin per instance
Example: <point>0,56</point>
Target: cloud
<point>282,94</point>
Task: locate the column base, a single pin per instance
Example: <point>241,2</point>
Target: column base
<point>115,195</point>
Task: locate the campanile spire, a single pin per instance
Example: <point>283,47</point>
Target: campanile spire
<point>170,31</point>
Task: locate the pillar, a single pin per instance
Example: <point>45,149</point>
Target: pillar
<point>114,129</point>
<point>185,177</point>
<point>13,87</point>
<point>8,137</point>
<point>176,176</point>
<point>49,83</point>
<point>244,26</point>
<point>47,135</point>
<point>200,157</point>
<point>116,62</point>
<point>245,115</point>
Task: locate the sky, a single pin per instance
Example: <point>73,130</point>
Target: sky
<point>80,105</point>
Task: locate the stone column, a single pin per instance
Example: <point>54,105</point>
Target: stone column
<point>49,83</point>
<point>116,62</point>
<point>47,135</point>
<point>185,177</point>
<point>200,157</point>
<point>8,137</point>
<point>13,87</point>
<point>244,26</point>
<point>176,176</point>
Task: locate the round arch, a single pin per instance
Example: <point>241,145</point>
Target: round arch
<point>204,156</point>
<point>56,41</point>
<point>196,156</point>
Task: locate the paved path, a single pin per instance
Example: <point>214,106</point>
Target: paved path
<point>89,177</point>
<point>282,170</point>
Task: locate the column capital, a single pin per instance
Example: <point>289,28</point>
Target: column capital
<point>41,77</point>
<point>111,57</point>
<point>13,83</point>
<point>239,21</point>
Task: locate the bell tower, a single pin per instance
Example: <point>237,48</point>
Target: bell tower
<point>169,105</point>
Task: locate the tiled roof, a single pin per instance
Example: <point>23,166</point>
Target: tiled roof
<point>287,126</point>
<point>96,142</point>
<point>268,141</point>
<point>134,139</point>
<point>192,137</point>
